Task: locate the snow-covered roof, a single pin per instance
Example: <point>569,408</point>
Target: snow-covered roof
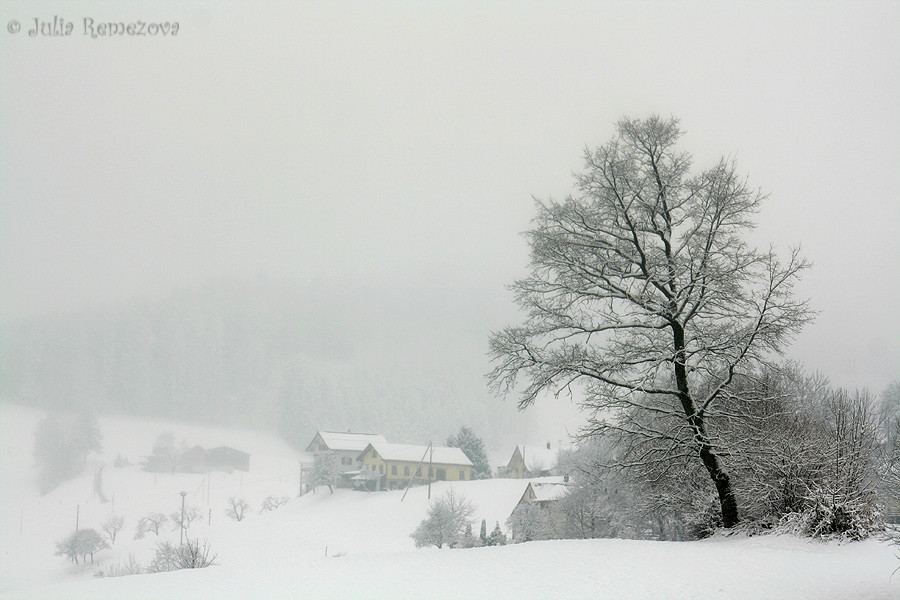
<point>409,453</point>
<point>548,491</point>
<point>357,442</point>
<point>538,458</point>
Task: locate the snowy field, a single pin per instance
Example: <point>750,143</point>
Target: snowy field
<point>357,545</point>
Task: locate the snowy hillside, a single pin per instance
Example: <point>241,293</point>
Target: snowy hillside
<point>357,545</point>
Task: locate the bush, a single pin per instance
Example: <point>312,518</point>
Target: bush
<point>121,569</point>
<point>83,543</point>
<point>497,537</point>
<point>190,555</point>
<point>194,555</point>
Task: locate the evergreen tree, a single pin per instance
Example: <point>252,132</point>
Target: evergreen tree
<point>497,537</point>
<point>473,447</point>
<point>483,534</point>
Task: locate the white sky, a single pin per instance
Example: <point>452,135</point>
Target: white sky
<point>404,140</point>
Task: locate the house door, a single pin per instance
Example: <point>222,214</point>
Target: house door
<point>442,474</point>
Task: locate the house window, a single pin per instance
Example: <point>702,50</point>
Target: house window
<point>406,470</point>
<point>381,468</point>
<point>418,471</point>
<point>393,469</point>
<point>346,460</point>
<point>462,475</point>
<point>430,472</point>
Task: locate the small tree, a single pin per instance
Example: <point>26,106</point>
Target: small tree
<point>473,447</point>
<point>83,543</point>
<point>152,522</point>
<point>164,558</point>
<point>483,534</point>
<point>324,471</point>
<point>237,508</point>
<point>112,526</point>
<point>273,503</point>
<point>497,537</point>
<point>445,522</point>
<point>190,514</point>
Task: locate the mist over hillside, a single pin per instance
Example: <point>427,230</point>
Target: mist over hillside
<point>406,360</point>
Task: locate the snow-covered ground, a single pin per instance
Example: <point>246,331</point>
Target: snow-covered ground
<point>357,545</point>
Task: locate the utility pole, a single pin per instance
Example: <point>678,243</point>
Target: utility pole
<point>77,515</point>
<point>181,538</point>
<point>430,467</point>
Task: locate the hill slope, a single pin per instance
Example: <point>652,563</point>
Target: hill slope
<point>357,545</point>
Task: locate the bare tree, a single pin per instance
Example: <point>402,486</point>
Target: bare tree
<point>237,508</point>
<point>190,514</point>
<point>273,503</point>
<point>642,284</point>
<point>112,526</point>
<point>151,522</point>
<point>446,521</point>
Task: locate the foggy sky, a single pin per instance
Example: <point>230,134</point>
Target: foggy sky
<point>403,142</point>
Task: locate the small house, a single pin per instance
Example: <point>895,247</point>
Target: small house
<point>531,461</point>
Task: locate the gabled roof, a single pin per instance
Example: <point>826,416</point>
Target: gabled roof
<point>409,453</point>
<point>548,491</point>
<point>538,458</point>
<point>545,491</point>
<point>346,440</point>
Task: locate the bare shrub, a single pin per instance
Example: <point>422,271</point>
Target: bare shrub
<point>273,503</point>
<point>123,568</point>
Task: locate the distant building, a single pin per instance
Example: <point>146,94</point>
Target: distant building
<point>544,493</point>
<point>531,461</point>
<point>344,446</point>
<point>225,458</point>
<point>392,466</point>
<point>199,460</point>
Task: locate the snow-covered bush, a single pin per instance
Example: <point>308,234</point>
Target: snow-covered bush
<point>83,543</point>
<point>445,522</point>
<point>190,555</point>
<point>497,537</point>
<point>164,558</point>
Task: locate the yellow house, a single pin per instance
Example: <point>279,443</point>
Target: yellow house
<point>391,466</point>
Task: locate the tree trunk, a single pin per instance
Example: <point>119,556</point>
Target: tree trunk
<point>719,476</point>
